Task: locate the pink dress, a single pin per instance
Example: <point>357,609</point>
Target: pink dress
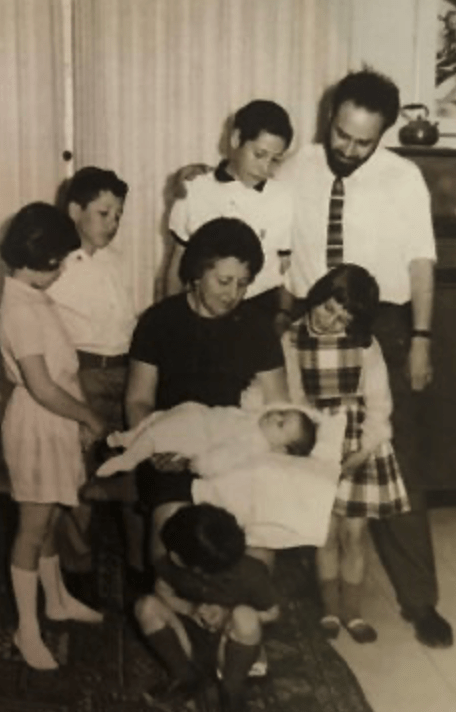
<point>42,450</point>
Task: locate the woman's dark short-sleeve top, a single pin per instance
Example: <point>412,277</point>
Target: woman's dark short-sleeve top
<point>201,359</point>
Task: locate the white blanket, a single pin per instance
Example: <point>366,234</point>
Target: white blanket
<point>283,501</point>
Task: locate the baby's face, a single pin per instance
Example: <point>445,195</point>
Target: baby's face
<point>281,427</point>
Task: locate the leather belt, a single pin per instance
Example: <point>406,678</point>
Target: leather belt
<point>90,360</point>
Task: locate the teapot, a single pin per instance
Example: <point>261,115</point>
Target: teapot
<point>418,131</point>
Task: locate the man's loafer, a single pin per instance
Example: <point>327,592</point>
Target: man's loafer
<point>431,628</point>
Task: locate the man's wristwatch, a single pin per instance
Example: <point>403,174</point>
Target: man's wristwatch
<point>421,333</point>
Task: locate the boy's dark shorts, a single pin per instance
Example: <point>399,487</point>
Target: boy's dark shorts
<point>156,488</point>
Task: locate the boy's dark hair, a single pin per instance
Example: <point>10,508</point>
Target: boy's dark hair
<point>263,115</point>
<point>356,290</point>
<point>204,537</point>
<point>39,237</point>
<point>304,445</point>
<point>219,239</point>
<point>87,184</point>
<point>370,90</point>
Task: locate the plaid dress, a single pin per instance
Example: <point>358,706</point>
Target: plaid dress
<point>331,367</point>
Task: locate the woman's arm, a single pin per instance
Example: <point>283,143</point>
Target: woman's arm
<point>54,398</point>
<point>141,391</point>
<point>274,385</point>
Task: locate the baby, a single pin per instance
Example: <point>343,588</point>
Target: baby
<point>214,439</point>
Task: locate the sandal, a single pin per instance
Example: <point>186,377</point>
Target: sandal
<point>330,625</point>
<point>361,631</point>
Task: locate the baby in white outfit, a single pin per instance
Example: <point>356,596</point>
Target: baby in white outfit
<point>214,439</point>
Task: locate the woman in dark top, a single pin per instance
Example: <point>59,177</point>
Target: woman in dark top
<point>205,345</point>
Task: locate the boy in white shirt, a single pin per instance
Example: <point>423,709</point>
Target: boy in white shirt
<point>97,310</point>
<point>240,187</point>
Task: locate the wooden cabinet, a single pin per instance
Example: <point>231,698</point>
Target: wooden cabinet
<point>438,426</point>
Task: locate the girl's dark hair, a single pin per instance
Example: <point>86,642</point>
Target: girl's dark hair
<point>263,115</point>
<point>204,536</point>
<point>87,184</point>
<point>356,290</point>
<point>303,446</point>
<point>218,239</point>
<point>39,237</point>
<point>369,90</point>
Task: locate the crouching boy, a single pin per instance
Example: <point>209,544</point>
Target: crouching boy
<point>209,605</point>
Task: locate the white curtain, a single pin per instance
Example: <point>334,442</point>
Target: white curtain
<point>154,81</point>
<point>31,113</point>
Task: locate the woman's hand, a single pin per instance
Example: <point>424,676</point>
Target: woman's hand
<point>170,462</point>
<point>353,461</point>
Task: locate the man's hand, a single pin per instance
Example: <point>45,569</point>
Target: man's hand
<point>170,462</point>
<point>177,188</point>
<point>420,367</point>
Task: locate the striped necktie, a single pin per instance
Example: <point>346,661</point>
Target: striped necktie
<point>335,244</point>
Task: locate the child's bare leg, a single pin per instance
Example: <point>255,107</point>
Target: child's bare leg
<point>327,558</point>
<point>60,604</point>
<point>353,549</point>
<point>34,523</point>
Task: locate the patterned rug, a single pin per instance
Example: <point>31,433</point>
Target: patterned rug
<point>107,668</point>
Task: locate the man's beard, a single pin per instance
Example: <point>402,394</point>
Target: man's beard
<point>342,168</point>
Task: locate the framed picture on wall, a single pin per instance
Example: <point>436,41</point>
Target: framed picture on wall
<point>445,62</point>
<point>435,61</point>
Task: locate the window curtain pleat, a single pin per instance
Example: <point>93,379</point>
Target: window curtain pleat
<point>31,90</point>
<point>155,81</point>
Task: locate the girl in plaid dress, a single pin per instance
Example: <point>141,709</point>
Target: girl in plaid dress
<point>341,366</point>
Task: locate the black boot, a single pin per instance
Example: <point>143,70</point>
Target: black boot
<point>186,680</point>
<point>239,658</point>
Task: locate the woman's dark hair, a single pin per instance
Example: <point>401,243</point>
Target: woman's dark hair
<point>39,237</point>
<point>369,90</point>
<point>204,536</point>
<point>263,115</point>
<point>356,290</point>
<point>219,239</point>
<point>87,184</point>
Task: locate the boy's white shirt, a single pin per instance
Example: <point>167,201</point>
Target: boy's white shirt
<point>268,212</point>
<point>95,301</point>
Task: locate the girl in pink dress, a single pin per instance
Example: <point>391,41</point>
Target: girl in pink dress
<point>46,420</point>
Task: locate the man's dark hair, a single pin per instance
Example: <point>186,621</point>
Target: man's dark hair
<point>87,184</point>
<point>204,537</point>
<point>303,446</point>
<point>263,115</point>
<point>370,90</point>
<point>356,290</point>
<point>39,237</point>
<point>219,239</point>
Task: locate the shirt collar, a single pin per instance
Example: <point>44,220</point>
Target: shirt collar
<point>222,176</point>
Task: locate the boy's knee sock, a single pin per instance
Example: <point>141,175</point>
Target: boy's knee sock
<point>166,645</point>
<point>351,600</point>
<point>330,596</point>
<point>239,658</point>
